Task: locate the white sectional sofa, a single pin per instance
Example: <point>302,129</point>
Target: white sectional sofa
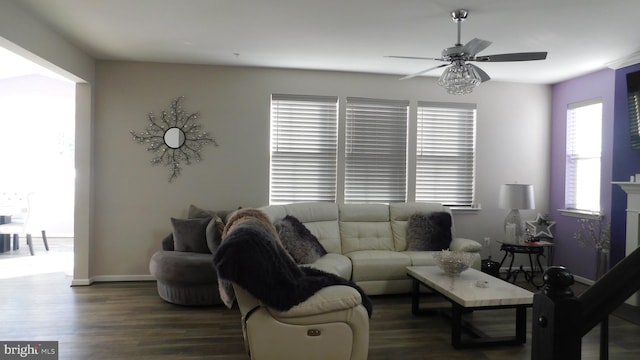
<point>366,243</point>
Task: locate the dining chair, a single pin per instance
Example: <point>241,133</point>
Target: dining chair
<point>22,220</point>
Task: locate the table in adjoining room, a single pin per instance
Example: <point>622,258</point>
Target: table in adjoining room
<point>5,218</point>
<point>464,294</point>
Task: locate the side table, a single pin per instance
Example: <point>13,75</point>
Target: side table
<point>531,249</point>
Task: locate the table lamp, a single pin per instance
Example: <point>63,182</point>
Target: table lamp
<point>515,197</point>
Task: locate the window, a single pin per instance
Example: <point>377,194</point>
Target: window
<point>445,153</point>
<point>303,148</point>
<point>584,138</point>
<point>360,154</point>
<point>376,151</point>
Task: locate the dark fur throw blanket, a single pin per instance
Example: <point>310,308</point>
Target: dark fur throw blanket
<point>252,258</point>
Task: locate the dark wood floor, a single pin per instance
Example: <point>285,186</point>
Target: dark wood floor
<point>130,321</point>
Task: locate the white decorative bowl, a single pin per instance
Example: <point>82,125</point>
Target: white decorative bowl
<point>453,262</point>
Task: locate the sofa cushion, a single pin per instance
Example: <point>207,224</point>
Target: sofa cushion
<point>274,212</point>
<point>328,234</point>
<point>189,235</point>
<point>321,218</point>
<point>399,214</point>
<point>313,211</point>
<point>379,265</point>
<point>301,244</point>
<point>429,232</point>
<point>421,258</point>
<point>365,227</point>
<point>334,263</point>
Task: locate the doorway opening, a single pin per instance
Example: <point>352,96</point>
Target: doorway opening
<point>37,148</point>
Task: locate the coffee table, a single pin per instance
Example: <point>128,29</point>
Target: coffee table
<point>465,295</point>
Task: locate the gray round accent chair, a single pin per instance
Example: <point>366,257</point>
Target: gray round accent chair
<point>185,278</point>
<point>184,268</point>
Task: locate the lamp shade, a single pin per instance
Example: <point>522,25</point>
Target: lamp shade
<point>516,196</point>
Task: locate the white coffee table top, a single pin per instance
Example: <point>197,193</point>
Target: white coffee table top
<point>463,289</point>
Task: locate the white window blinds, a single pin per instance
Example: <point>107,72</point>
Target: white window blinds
<point>633,99</point>
<point>584,139</point>
<point>303,148</point>
<point>445,156</point>
<point>376,150</point>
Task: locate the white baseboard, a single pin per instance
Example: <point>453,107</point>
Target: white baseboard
<point>81,282</point>
<point>112,278</point>
<point>115,278</point>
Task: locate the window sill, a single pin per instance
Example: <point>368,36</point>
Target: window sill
<point>465,209</point>
<point>582,214</point>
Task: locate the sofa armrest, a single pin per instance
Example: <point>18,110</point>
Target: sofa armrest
<point>329,299</point>
<point>462,244</point>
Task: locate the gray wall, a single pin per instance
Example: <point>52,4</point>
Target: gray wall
<point>134,201</point>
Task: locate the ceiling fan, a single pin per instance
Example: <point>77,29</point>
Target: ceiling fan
<point>461,77</point>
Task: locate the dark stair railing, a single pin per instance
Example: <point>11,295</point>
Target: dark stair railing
<point>560,319</point>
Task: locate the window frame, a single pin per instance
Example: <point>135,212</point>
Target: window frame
<point>575,157</point>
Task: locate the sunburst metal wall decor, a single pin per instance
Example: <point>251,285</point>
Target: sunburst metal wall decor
<point>175,137</point>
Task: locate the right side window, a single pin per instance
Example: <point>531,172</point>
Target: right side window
<point>584,140</point>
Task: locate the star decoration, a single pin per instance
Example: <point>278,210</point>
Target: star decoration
<point>541,227</point>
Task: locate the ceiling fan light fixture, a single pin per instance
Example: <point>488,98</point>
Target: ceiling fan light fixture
<point>459,78</point>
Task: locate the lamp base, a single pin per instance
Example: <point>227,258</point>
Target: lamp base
<point>514,228</point>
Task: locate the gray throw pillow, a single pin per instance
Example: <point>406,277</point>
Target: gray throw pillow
<point>299,242</point>
<point>214,233</point>
<point>197,212</point>
<point>429,232</point>
<point>190,235</point>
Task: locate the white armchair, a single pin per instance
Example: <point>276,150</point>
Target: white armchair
<point>288,312</point>
<point>331,324</point>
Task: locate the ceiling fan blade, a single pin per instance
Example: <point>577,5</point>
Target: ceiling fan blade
<point>526,56</point>
<point>422,72</point>
<point>483,75</point>
<point>475,46</point>
<point>413,57</point>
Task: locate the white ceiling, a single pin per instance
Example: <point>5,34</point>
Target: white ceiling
<point>350,35</point>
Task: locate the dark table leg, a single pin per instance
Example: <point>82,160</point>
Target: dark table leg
<point>521,324</point>
<point>415,297</point>
<point>510,272</point>
<point>456,325</point>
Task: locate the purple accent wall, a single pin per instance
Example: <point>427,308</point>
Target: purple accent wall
<point>600,84</point>
<point>626,163</point>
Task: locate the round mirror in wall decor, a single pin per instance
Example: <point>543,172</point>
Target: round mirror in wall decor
<point>174,138</point>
